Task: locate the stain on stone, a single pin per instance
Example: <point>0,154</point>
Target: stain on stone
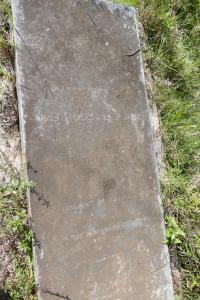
<point>36,242</point>
<point>55,294</point>
<point>100,210</point>
<point>30,167</point>
<point>108,185</point>
<point>40,197</point>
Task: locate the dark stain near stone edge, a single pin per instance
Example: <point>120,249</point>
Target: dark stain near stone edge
<point>36,242</point>
<point>56,294</point>
<point>40,197</point>
<point>30,167</point>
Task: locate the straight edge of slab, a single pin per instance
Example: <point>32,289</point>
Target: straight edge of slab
<point>112,7</point>
<point>16,12</point>
<point>166,266</point>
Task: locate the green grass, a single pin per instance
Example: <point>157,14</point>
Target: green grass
<point>15,224</point>
<point>6,41</point>
<point>15,231</point>
<point>171,55</point>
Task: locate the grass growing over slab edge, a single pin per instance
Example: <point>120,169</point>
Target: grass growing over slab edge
<point>17,282</point>
<point>172,56</point>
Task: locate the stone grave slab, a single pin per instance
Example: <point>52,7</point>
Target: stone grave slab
<point>87,140</point>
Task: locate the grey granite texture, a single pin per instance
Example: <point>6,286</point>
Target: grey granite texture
<point>86,136</point>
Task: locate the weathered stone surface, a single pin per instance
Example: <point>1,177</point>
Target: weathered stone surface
<point>86,135</point>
